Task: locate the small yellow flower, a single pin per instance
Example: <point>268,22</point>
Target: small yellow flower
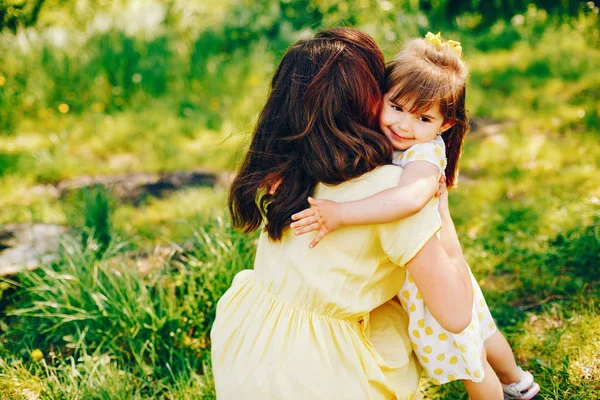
<point>63,108</point>
<point>2,80</point>
<point>37,355</point>
<point>436,40</point>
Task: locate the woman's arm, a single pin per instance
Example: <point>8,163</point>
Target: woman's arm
<point>445,285</point>
<point>418,184</point>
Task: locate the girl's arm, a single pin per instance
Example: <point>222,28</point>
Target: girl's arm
<point>418,184</point>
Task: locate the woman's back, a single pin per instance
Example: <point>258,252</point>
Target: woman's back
<point>350,272</point>
<point>323,314</point>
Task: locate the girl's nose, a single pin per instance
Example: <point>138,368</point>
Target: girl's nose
<point>404,123</point>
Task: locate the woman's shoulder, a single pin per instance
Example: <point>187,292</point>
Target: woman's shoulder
<point>380,178</point>
<point>385,176</point>
<point>376,180</point>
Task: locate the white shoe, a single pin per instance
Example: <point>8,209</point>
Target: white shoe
<point>525,389</point>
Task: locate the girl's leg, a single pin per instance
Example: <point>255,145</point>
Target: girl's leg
<point>501,359</point>
<point>489,388</point>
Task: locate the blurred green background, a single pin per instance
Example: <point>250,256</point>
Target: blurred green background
<point>104,88</point>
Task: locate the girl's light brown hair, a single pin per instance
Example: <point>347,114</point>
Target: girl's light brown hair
<point>423,75</point>
<point>319,125</point>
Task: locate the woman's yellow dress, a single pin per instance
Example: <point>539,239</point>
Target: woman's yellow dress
<point>323,323</point>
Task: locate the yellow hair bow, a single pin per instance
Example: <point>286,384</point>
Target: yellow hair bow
<point>454,45</point>
<point>436,40</point>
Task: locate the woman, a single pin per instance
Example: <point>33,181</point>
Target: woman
<point>324,323</point>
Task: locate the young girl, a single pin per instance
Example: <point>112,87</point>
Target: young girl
<point>424,118</point>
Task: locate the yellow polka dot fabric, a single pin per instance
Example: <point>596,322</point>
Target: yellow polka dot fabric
<point>433,152</point>
<point>446,356</point>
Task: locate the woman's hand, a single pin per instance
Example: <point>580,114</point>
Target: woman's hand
<point>322,216</point>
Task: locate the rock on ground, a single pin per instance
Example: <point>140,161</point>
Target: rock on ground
<point>26,246</point>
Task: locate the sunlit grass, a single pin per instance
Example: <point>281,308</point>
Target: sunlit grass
<point>173,218</point>
<point>150,140</point>
<point>97,320</point>
<point>549,78</point>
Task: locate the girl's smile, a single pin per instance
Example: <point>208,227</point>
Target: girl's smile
<point>398,137</point>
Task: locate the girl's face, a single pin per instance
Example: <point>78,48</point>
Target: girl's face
<point>404,129</point>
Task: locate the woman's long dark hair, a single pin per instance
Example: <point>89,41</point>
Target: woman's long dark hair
<point>319,125</point>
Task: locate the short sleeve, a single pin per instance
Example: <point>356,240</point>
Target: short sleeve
<point>433,152</point>
<point>401,240</point>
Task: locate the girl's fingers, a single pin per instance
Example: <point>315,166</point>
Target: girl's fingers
<point>274,186</point>
<point>441,186</point>
<point>306,229</point>
<point>309,212</point>
<point>304,222</point>
<point>318,238</point>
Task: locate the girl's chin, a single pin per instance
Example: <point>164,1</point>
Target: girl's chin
<point>396,148</point>
<point>400,146</point>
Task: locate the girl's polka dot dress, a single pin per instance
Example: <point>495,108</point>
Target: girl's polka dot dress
<point>444,356</point>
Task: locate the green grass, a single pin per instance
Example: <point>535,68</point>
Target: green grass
<point>132,320</point>
<point>98,321</point>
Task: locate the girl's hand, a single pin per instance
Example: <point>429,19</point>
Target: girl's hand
<point>441,187</point>
<point>321,216</point>
<point>442,195</point>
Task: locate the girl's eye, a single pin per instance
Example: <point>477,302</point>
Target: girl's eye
<point>397,108</point>
<point>425,119</point>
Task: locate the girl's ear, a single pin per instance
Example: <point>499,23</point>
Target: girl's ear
<point>447,125</point>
